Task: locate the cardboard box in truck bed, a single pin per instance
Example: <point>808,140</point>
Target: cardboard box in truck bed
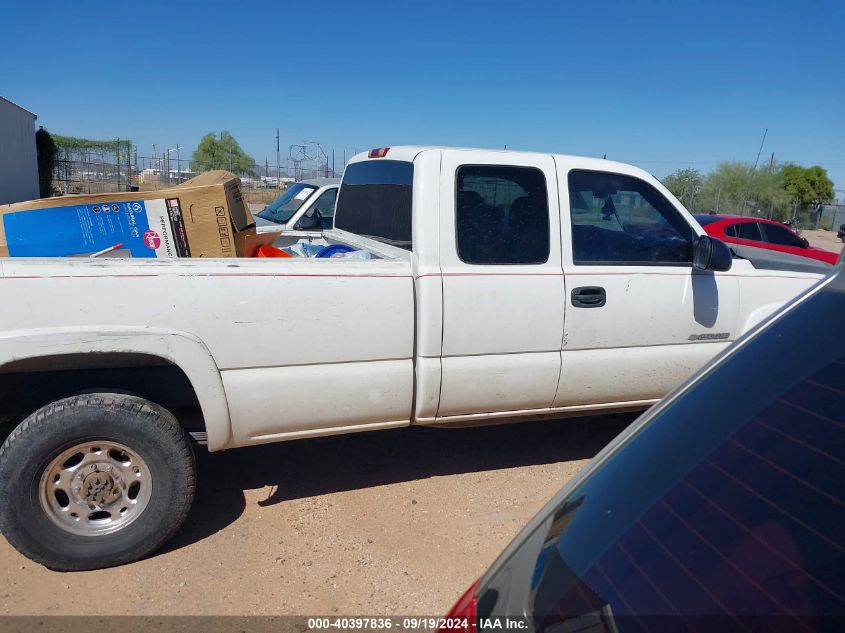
<point>198,218</point>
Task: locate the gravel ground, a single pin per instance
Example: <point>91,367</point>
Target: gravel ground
<point>388,522</point>
<point>824,239</point>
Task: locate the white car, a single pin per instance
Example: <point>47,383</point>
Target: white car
<point>501,286</point>
<point>304,210</point>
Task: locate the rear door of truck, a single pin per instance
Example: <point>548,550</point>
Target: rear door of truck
<point>503,292</point>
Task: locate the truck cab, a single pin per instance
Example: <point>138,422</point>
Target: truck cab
<point>548,283</point>
<point>304,210</point>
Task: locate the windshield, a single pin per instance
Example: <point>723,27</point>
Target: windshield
<point>283,208</point>
<point>729,503</point>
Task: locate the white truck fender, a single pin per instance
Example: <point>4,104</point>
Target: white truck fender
<point>759,314</point>
<point>184,350</point>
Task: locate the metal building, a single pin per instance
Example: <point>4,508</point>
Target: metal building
<point>18,160</point>
<point>832,216</point>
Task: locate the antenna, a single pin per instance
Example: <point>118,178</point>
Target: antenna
<point>753,171</point>
<point>760,151</point>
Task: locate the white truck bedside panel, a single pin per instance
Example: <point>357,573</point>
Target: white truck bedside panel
<point>250,313</point>
<point>270,404</point>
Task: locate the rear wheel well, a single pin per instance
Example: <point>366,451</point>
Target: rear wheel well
<point>28,384</point>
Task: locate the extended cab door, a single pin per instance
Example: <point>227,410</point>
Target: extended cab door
<point>639,318</point>
<point>502,282</point>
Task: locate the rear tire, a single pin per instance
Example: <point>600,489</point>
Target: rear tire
<point>95,481</point>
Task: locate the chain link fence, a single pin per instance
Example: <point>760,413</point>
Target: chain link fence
<point>106,172</point>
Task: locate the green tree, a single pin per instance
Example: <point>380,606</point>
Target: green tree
<point>726,187</point>
<point>45,148</point>
<point>736,187</point>
<point>221,153</point>
<point>807,187</point>
<point>766,195</point>
<point>686,184</point>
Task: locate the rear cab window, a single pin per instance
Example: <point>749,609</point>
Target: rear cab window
<point>375,201</point>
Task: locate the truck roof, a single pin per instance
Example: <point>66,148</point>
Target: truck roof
<point>409,152</point>
<point>321,182</point>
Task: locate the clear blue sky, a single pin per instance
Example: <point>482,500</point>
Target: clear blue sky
<point>658,84</point>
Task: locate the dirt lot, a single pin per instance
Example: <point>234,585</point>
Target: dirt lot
<point>389,522</point>
<point>824,239</point>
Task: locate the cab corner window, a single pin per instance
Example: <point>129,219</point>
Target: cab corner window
<point>502,215</point>
<point>618,219</point>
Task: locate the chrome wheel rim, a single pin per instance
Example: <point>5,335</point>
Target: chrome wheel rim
<point>95,488</point>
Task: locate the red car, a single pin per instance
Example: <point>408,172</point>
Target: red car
<point>760,233</point>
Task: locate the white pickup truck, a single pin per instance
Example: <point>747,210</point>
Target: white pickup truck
<point>503,285</point>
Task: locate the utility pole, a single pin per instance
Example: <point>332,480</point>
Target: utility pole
<point>118,164</point>
<point>178,165</point>
<point>753,171</point>
<point>278,163</point>
<point>334,173</point>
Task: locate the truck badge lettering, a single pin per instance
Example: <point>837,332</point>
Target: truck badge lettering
<point>719,336</point>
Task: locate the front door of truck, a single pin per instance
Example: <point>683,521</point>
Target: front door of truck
<point>502,277</point>
<point>639,318</point>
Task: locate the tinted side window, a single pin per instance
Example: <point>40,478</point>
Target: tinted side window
<point>325,203</point>
<point>375,201</point>
<point>780,235</point>
<point>729,504</point>
<point>619,219</point>
<point>748,231</point>
<point>502,215</point>
<point>325,206</point>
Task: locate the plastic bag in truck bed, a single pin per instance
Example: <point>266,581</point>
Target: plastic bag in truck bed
<point>323,250</point>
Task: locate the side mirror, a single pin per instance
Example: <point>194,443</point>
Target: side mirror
<point>805,243</point>
<point>708,253</point>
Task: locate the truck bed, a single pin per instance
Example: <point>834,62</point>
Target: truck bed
<point>295,327</point>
